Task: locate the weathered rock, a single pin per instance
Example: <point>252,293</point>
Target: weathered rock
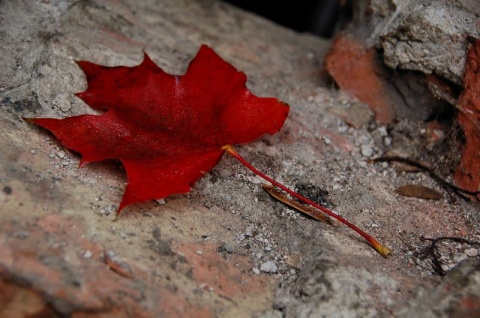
<point>458,296</point>
<point>467,174</point>
<point>323,278</point>
<point>355,68</point>
<point>59,248</point>
<point>430,36</point>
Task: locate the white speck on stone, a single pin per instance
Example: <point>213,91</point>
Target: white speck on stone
<point>161,201</point>
<point>382,131</point>
<point>326,140</point>
<point>387,141</point>
<point>269,267</point>
<point>87,254</point>
<point>32,151</point>
<point>256,271</point>
<point>123,235</point>
<point>366,150</point>
<point>60,154</point>
<point>199,252</point>
<point>229,248</point>
<point>471,252</point>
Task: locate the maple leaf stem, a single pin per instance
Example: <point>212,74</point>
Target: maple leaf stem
<point>383,250</point>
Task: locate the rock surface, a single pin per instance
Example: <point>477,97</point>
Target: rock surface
<point>430,36</point>
<point>195,254</point>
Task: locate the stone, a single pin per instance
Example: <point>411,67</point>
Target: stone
<point>269,267</point>
<point>460,287</point>
<point>471,252</point>
<point>467,174</point>
<point>50,212</point>
<point>355,68</point>
<point>430,36</point>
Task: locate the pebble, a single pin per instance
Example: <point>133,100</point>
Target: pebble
<point>21,234</point>
<point>161,201</point>
<point>123,235</point>
<point>382,131</point>
<point>229,248</point>
<point>471,252</point>
<point>366,150</point>
<point>269,267</point>
<point>387,141</point>
<point>256,271</point>
<point>87,254</point>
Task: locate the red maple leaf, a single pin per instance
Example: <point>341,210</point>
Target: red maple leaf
<point>167,130</point>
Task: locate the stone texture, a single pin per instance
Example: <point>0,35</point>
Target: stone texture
<point>429,39</point>
<point>61,251</point>
<point>73,284</point>
<point>430,36</point>
<point>458,296</point>
<point>355,68</point>
<point>467,174</point>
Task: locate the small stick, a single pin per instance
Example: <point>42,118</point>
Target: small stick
<point>433,249</point>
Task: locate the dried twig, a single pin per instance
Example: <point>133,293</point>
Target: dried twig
<point>463,193</point>
<point>432,250</point>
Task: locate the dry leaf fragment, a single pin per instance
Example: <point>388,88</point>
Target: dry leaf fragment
<point>308,210</point>
<point>419,191</point>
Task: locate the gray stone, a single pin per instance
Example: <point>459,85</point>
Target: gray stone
<point>269,267</point>
<point>39,41</point>
<point>313,295</point>
<point>270,314</point>
<point>458,296</point>
<point>429,36</point>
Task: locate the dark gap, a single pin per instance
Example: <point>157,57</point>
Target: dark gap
<point>317,17</point>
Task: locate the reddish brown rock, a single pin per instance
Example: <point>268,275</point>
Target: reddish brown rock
<point>228,278</point>
<point>51,267</point>
<point>355,68</point>
<point>467,174</point>
<point>22,302</point>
